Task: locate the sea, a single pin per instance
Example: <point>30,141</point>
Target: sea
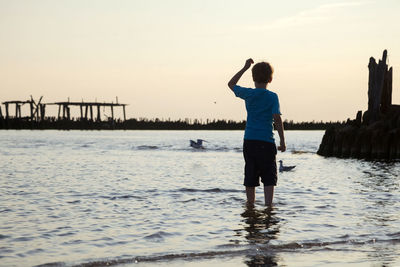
<point>146,198</point>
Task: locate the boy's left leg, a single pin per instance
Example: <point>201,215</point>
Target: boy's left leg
<point>268,194</point>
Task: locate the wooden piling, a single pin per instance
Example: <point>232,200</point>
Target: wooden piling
<point>98,113</point>
<point>68,113</point>
<point>31,109</point>
<point>386,101</point>
<point>42,111</point>
<point>376,134</point>
<point>86,111</point>
<point>63,112</point>
<point>7,114</point>
<point>124,113</point>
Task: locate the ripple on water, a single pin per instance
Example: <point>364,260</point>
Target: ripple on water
<point>158,236</point>
<point>4,236</point>
<point>23,239</point>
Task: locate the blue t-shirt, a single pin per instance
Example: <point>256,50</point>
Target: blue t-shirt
<point>261,104</point>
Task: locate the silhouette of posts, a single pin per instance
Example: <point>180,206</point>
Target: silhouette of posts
<point>88,106</point>
<point>36,116</point>
<point>37,113</point>
<point>379,87</point>
<point>18,104</point>
<point>375,134</point>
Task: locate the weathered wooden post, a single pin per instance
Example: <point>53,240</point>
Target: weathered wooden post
<point>98,113</point>
<point>91,112</point>
<point>112,112</point>
<point>37,112</point>
<point>64,111</point>
<point>376,134</point>
<point>7,113</point>
<point>86,111</point>
<point>59,111</point>
<point>42,111</point>
<point>81,108</point>
<point>68,112</point>
<point>376,80</point>
<point>386,101</point>
<point>123,107</point>
<point>31,108</point>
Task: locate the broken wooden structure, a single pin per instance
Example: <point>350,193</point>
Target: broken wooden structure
<point>374,134</point>
<point>37,110</point>
<point>85,108</point>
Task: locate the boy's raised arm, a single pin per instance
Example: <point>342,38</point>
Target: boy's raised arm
<point>237,76</point>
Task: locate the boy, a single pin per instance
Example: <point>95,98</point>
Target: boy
<point>259,148</point>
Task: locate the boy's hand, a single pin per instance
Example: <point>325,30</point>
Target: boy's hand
<point>248,63</point>
<point>282,147</point>
<point>234,80</point>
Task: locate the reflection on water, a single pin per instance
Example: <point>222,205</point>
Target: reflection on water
<point>259,227</point>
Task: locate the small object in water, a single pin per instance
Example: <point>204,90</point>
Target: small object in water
<point>198,144</point>
<point>299,152</point>
<point>285,168</point>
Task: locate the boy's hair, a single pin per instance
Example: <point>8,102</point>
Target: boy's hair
<point>262,72</point>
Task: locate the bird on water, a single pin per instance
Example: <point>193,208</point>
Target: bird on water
<point>285,168</point>
<point>198,144</point>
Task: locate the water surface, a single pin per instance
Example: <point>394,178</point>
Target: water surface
<point>146,197</point>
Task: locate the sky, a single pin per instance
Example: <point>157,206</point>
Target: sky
<point>173,59</point>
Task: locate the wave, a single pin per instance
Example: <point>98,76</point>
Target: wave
<point>158,235</point>
<point>211,190</point>
<point>146,147</point>
<point>235,251</point>
<point>213,148</point>
<point>121,197</point>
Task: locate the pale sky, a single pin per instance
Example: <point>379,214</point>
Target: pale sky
<point>173,59</point>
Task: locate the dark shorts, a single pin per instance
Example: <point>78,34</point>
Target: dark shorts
<point>260,158</point>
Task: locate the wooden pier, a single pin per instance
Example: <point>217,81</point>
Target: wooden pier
<point>86,108</point>
<point>38,110</point>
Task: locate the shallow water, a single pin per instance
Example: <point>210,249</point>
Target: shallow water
<point>145,197</point>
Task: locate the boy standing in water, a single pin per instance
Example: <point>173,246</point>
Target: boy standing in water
<point>259,148</point>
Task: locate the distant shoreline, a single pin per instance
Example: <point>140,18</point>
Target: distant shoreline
<point>147,124</point>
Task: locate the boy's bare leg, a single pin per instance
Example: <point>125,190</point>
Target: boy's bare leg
<point>268,194</point>
<point>251,195</point>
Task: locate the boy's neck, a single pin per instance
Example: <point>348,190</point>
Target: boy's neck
<point>260,85</point>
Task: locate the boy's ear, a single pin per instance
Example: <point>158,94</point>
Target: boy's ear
<point>270,80</point>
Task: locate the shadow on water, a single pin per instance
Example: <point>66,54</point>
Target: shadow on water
<point>259,227</point>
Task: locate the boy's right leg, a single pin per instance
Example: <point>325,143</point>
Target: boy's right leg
<point>251,195</point>
<point>268,194</point>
